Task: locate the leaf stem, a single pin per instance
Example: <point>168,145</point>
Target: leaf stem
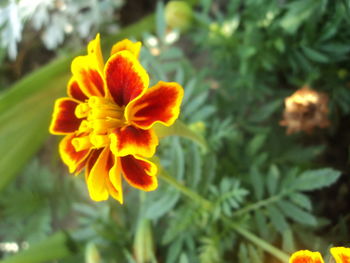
<point>185,190</point>
<point>243,232</point>
<point>259,242</point>
<point>257,205</point>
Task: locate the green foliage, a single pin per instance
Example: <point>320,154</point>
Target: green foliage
<point>254,191</point>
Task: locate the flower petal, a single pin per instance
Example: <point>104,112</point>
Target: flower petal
<point>130,140</point>
<point>161,103</point>
<point>74,91</point>
<point>64,120</point>
<point>73,159</point>
<point>126,44</point>
<point>86,72</point>
<point>306,256</point>
<point>341,254</point>
<point>94,50</point>
<point>114,183</point>
<point>139,172</point>
<point>125,77</point>
<point>97,174</point>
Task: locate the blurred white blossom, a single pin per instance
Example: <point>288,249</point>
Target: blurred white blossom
<point>54,19</point>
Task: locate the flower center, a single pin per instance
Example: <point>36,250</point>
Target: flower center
<point>101,116</point>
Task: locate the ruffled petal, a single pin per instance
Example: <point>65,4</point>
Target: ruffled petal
<point>94,50</point>
<point>64,120</point>
<point>75,160</point>
<point>74,91</point>
<point>130,140</point>
<point>341,254</point>
<point>97,174</point>
<point>86,72</point>
<point>306,256</point>
<point>161,103</point>
<point>139,172</point>
<point>114,183</point>
<point>126,79</point>
<point>126,44</point>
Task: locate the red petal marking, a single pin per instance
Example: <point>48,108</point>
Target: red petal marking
<point>73,159</point>
<point>139,173</point>
<point>85,71</point>
<point>74,90</point>
<point>63,118</point>
<point>130,140</point>
<point>341,254</point>
<point>161,103</point>
<point>126,78</point>
<point>306,256</point>
<point>91,161</point>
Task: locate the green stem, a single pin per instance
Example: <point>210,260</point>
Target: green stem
<point>55,247</point>
<point>185,190</point>
<point>181,129</point>
<point>257,205</point>
<point>243,232</point>
<point>259,242</point>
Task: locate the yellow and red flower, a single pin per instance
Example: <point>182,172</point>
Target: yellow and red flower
<point>340,254</point>
<point>108,117</point>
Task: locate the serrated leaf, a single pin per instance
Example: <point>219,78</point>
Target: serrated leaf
<point>301,200</point>
<point>174,251</point>
<point>257,182</point>
<point>254,255</point>
<point>288,241</point>
<point>256,143</point>
<point>277,218</point>
<point>195,104</point>
<point>315,55</point>
<point>272,179</point>
<point>243,254</point>
<point>316,179</point>
<point>261,223</point>
<point>297,214</point>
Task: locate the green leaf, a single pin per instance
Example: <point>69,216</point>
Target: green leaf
<point>160,20</point>
<point>256,144</point>
<point>288,241</point>
<point>180,129</point>
<point>315,55</point>
<point>257,182</point>
<point>56,247</point>
<point>316,179</point>
<point>25,112</point>
<point>254,255</point>
<point>277,218</point>
<point>301,200</point>
<point>297,214</point>
<point>272,179</point>
<point>260,220</point>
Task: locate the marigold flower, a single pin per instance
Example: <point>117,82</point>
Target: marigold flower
<point>340,254</point>
<point>108,117</point>
<point>305,110</point>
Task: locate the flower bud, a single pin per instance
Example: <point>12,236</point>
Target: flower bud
<point>91,254</point>
<point>143,243</point>
<point>178,14</point>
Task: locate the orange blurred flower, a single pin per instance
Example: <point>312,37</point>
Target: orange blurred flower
<point>108,117</point>
<point>340,254</point>
<point>305,110</point>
